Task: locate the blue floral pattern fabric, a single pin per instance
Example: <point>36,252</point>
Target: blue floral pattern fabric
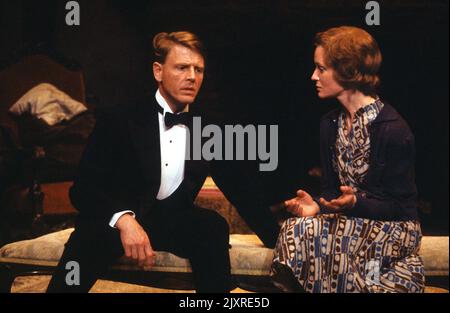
<point>352,149</point>
<point>335,253</point>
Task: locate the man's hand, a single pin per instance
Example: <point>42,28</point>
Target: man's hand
<point>302,205</point>
<point>346,201</point>
<point>135,241</point>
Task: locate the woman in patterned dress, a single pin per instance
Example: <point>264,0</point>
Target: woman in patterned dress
<point>362,234</point>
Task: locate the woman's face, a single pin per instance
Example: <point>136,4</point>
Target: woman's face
<point>323,76</point>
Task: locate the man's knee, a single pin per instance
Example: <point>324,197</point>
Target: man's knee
<point>219,224</point>
<point>214,226</point>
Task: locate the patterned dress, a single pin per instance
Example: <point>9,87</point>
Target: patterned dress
<point>336,253</point>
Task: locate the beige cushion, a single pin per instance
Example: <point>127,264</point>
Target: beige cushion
<point>248,255</point>
<point>47,102</point>
<point>434,252</point>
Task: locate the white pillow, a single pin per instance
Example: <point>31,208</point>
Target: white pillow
<point>47,102</point>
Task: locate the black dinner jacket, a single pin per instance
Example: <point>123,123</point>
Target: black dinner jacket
<point>121,166</point>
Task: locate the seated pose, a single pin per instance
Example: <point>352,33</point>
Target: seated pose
<point>135,189</point>
<point>362,234</point>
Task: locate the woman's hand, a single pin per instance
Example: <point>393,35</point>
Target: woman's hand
<point>302,205</point>
<point>346,201</point>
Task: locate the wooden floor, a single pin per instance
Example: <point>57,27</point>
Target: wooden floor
<point>38,284</point>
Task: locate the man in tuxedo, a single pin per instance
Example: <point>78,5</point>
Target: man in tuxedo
<point>135,191</point>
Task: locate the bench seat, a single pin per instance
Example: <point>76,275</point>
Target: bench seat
<point>250,263</point>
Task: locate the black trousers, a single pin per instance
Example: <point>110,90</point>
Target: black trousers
<point>200,235</point>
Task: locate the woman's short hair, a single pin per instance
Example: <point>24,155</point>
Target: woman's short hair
<point>163,42</point>
<point>354,56</point>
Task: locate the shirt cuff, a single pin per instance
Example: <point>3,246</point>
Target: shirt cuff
<point>118,215</point>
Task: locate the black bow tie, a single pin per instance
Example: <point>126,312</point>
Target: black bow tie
<point>171,119</point>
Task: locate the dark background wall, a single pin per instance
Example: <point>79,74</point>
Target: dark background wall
<point>258,67</point>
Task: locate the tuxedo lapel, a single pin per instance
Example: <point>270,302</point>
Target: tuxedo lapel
<point>195,173</point>
<point>144,131</point>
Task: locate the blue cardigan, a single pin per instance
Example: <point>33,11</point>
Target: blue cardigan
<point>388,191</point>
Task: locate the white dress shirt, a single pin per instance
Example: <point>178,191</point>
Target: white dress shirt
<point>173,150</point>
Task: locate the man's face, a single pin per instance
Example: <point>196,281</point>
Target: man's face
<point>323,76</point>
<point>180,77</point>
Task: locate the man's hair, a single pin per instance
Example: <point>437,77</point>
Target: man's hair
<point>163,42</point>
<point>354,56</point>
